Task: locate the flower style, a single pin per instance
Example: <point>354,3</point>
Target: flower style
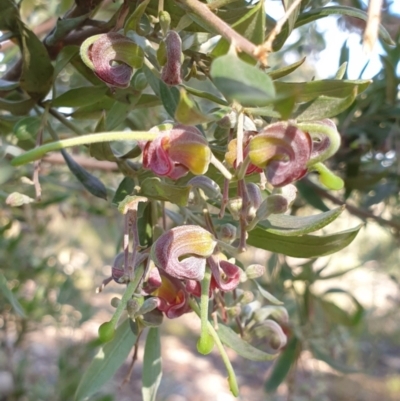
<point>177,151</point>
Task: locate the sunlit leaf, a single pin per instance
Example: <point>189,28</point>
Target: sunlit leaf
<point>305,246</point>
<point>288,225</point>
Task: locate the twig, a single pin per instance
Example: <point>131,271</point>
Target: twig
<point>372,28</point>
<point>263,50</point>
<point>363,214</point>
<point>219,26</point>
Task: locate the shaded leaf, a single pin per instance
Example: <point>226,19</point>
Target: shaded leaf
<point>125,188</point>
<point>63,27</point>
<point>8,294</point>
<point>154,188</point>
<point>310,196</point>
<point>78,97</point>
<point>241,347</point>
<point>169,97</point>
<point>133,20</point>
<point>322,356</point>
<point>27,128</point>
<point>64,57</point>
<point>89,181</point>
<point>37,70</point>
<point>306,246</point>
<point>17,107</point>
<point>283,71</point>
<point>187,111</point>
<point>282,366</point>
<point>152,370</point>
<point>241,82</point>
<point>106,362</point>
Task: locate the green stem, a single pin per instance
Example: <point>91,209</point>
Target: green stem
<point>231,373</point>
<point>205,343</point>
<point>130,290</point>
<point>40,151</point>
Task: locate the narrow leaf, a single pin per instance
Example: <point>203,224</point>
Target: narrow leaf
<point>124,189</point>
<point>306,246</point>
<point>154,188</point>
<point>107,361</point>
<point>282,366</point>
<point>8,294</point>
<point>268,296</point>
<point>287,225</point>
<point>152,370</point>
<point>187,111</point>
<point>169,97</point>
<point>241,347</point>
<point>284,71</point>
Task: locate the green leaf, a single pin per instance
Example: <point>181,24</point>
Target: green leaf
<point>282,366</point>
<point>37,71</point>
<point>251,26</point>
<point>307,91</point>
<point>241,82</point>
<point>310,196</point>
<point>8,294</point>
<point>17,107</point>
<point>154,188</point>
<point>27,128</point>
<point>293,16</point>
<point>134,19</point>
<point>268,296</point>
<point>107,361</point>
<point>306,246</point>
<point>322,356</point>
<point>64,57</point>
<point>317,13</point>
<point>102,150</point>
<point>124,189</point>
<point>169,97</point>
<point>152,370</point>
<point>187,111</point>
<point>116,115</point>
<point>8,16</point>
<point>283,71</point>
<point>63,27</point>
<point>78,97</point>
<point>288,225</point>
<point>241,347</point>
<point>89,181</point>
<point>324,107</point>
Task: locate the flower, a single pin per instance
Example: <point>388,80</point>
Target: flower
<point>177,151</point>
<point>283,150</point>
<point>172,297</point>
<point>182,251</point>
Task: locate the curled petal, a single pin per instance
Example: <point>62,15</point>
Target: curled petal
<point>176,151</point>
<point>272,333</point>
<point>189,148</point>
<point>283,150</point>
<point>172,297</point>
<point>230,277</point>
<point>181,251</point>
<point>112,57</point>
<point>156,158</point>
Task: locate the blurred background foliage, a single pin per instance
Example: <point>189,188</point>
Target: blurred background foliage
<point>344,309</point>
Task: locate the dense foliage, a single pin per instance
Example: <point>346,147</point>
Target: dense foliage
<point>206,148</point>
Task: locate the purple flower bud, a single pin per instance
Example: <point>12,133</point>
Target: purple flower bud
<point>171,72</point>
